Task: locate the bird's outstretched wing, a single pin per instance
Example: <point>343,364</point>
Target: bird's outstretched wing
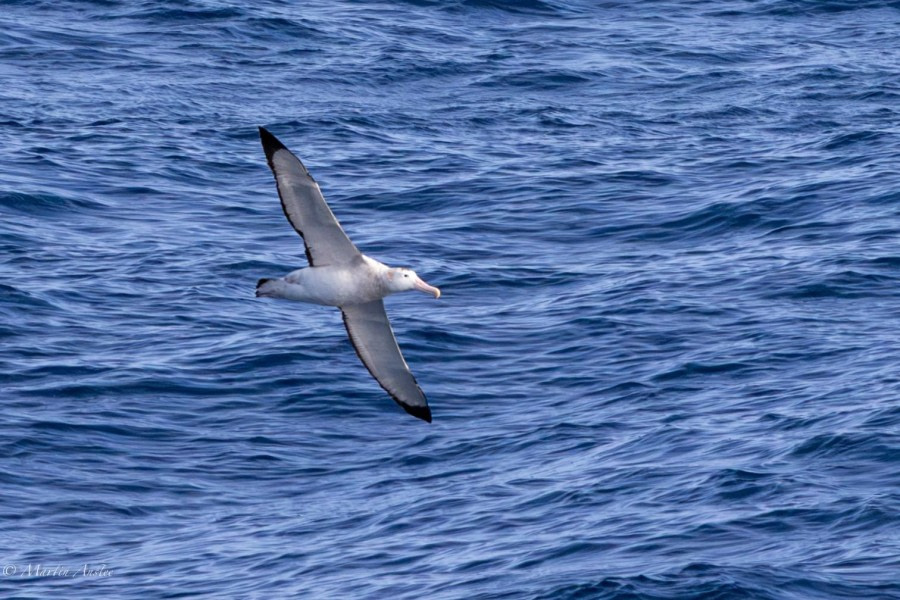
<point>371,335</point>
<point>305,207</point>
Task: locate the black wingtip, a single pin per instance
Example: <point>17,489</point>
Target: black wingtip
<point>420,412</point>
<point>270,143</point>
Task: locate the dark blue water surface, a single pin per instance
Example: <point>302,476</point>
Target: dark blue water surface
<point>665,364</point>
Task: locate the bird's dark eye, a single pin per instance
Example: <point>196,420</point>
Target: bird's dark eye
<point>406,274</point>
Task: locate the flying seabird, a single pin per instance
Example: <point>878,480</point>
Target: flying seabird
<point>340,275</point>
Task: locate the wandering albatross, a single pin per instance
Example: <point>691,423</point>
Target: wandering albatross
<point>340,275</point>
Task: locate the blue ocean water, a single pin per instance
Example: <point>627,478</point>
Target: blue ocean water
<point>665,362</point>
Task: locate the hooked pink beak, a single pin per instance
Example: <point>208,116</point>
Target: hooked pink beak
<point>428,289</point>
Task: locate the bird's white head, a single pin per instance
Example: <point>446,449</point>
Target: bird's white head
<point>401,279</point>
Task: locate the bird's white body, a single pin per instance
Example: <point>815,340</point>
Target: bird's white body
<point>360,281</point>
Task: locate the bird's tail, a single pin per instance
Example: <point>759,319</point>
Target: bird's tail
<point>266,287</point>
